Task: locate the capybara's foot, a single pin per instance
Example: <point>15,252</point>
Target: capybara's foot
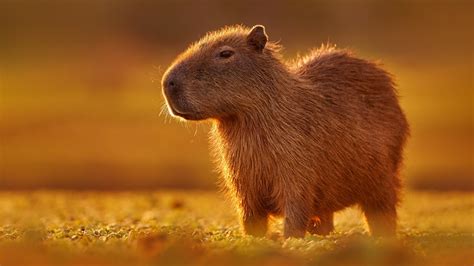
<point>321,225</point>
<point>294,232</point>
<point>255,226</point>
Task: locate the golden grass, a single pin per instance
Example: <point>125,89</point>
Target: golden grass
<point>192,227</point>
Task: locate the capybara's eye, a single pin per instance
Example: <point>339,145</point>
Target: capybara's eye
<point>226,54</point>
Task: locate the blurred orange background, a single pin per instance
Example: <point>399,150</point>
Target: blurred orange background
<point>81,96</point>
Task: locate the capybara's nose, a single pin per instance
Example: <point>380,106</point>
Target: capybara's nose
<point>170,84</point>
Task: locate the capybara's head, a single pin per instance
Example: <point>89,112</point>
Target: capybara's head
<point>221,75</point>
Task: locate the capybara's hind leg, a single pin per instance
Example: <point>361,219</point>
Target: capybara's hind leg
<point>297,216</point>
<point>382,219</point>
<point>323,224</point>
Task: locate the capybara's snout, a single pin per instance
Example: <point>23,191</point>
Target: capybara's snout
<point>173,91</point>
<point>171,86</point>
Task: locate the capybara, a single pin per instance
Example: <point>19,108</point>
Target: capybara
<point>300,140</point>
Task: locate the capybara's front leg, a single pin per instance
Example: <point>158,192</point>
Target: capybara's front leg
<point>296,219</point>
<point>255,223</point>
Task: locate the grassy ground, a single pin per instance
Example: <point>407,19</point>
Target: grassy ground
<point>176,228</point>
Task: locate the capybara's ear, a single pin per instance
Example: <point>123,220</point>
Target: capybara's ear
<point>257,38</point>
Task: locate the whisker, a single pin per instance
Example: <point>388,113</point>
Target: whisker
<point>156,73</point>
<point>195,129</point>
<point>163,108</point>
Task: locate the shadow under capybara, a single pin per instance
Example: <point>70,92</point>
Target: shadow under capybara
<point>300,140</point>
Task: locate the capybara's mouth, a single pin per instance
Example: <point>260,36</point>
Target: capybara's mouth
<point>186,115</point>
<point>176,108</point>
<point>195,116</point>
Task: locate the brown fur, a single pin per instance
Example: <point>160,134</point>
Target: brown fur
<point>300,140</point>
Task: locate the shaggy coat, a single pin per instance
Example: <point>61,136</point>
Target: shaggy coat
<point>300,140</point>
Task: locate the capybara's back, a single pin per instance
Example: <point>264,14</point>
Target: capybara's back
<point>300,140</point>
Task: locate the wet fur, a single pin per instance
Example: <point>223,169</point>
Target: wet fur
<point>316,136</point>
